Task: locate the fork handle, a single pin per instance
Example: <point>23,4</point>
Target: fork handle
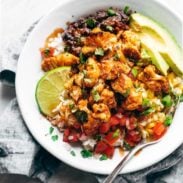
<point>123,162</point>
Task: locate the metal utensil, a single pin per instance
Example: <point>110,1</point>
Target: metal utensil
<point>137,148</point>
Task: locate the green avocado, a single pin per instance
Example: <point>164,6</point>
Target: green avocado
<point>158,43</point>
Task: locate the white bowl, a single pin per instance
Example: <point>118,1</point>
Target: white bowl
<point>29,72</point>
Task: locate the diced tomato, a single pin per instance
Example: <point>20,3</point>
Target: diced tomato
<point>109,151</point>
<point>101,147</point>
<point>159,130</point>
<point>133,137</point>
<point>104,128</point>
<point>131,123</point>
<point>114,120</point>
<point>124,120</point>
<point>66,134</point>
<point>111,138</point>
<point>104,148</point>
<point>71,136</point>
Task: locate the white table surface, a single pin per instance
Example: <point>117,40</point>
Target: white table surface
<point>16,17</point>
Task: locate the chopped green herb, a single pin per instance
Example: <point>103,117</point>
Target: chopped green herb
<point>84,93</point>
<point>168,120</point>
<point>126,93</point>
<point>78,40</point>
<point>99,52</point>
<point>127,146</point>
<point>51,129</point>
<point>90,22</point>
<point>82,58</point>
<point>181,98</point>
<point>126,9</point>
<point>81,116</point>
<point>111,12</point>
<point>103,157</point>
<point>167,101</point>
<point>148,111</point>
<point>109,28</point>
<point>54,137</point>
<point>86,153</point>
<point>116,57</point>
<point>73,153</point>
<point>145,102</point>
<point>71,106</point>
<point>95,95</point>
<point>116,133</point>
<point>134,72</point>
<point>98,137</point>
<point>67,48</point>
<point>47,51</point>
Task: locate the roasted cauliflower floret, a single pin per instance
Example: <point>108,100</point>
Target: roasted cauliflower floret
<point>92,73</point>
<point>75,92</point>
<point>153,80</point>
<point>83,105</point>
<point>63,59</point>
<point>91,127</point>
<point>122,84</point>
<point>111,69</point>
<point>78,78</point>
<point>107,97</point>
<point>101,39</point>
<point>101,112</point>
<point>133,101</point>
<point>131,45</point>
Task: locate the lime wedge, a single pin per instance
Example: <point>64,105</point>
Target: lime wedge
<point>49,89</point>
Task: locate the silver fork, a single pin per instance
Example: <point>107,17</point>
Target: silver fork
<point>139,147</point>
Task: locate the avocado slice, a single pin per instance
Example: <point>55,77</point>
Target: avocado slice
<point>159,43</point>
<point>156,57</point>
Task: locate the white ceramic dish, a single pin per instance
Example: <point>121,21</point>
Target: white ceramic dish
<point>29,72</point>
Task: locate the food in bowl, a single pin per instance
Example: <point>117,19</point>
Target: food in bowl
<point>111,80</point>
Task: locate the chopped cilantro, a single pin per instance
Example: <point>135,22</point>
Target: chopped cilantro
<point>54,137</point>
<point>148,111</point>
<point>99,52</point>
<point>73,153</point>
<point>145,102</point>
<point>168,120</point>
<point>116,133</point>
<point>116,57</point>
<point>95,95</point>
<point>126,9</point>
<point>71,106</point>
<point>103,157</point>
<point>82,58</point>
<point>109,28</point>
<point>111,12</point>
<point>81,116</point>
<point>47,52</point>
<point>126,93</point>
<point>98,137</point>
<point>67,48</point>
<point>167,101</point>
<point>90,22</point>
<point>51,129</point>
<point>134,72</point>
<point>86,153</point>
<point>127,146</point>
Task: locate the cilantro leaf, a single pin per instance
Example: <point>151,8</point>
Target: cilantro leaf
<point>86,153</point>
<point>54,137</point>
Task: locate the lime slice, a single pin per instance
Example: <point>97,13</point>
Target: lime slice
<point>49,89</point>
